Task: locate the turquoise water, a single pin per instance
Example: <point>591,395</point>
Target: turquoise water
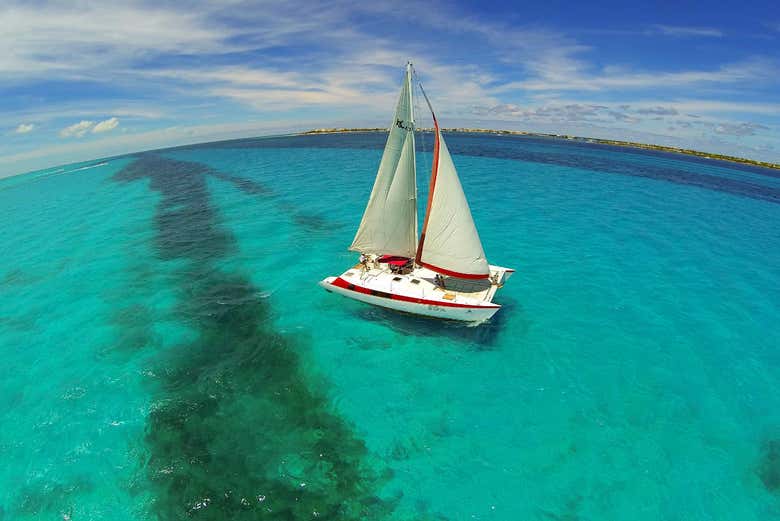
<point>167,353</point>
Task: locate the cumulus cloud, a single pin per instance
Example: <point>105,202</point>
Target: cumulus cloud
<point>77,129</point>
<point>659,111</point>
<point>568,112</point>
<point>106,125</point>
<point>622,116</point>
<point>135,29</point>
<point>24,128</point>
<point>578,75</point>
<point>564,115</point>
<point>739,129</point>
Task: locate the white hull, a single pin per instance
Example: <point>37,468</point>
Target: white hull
<point>419,293</point>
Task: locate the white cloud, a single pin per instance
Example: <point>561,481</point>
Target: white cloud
<point>77,129</point>
<point>585,117</point>
<point>345,66</point>
<point>567,74</point>
<point>140,31</point>
<point>683,105</point>
<point>546,59</point>
<point>57,39</point>
<point>368,77</point>
<point>274,90</point>
<point>677,30</point>
<point>739,129</point>
<point>85,109</point>
<point>658,111</point>
<point>118,143</point>
<point>24,128</point>
<point>106,125</point>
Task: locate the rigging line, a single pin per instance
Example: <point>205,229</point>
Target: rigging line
<point>432,185</point>
<point>423,146</point>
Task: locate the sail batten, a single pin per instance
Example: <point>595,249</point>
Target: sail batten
<point>389,223</point>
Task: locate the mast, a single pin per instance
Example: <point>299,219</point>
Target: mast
<point>410,88</point>
<point>409,72</point>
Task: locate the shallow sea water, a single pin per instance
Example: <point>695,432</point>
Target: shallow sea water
<point>167,353</point>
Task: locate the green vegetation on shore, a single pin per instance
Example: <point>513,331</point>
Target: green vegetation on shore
<point>614,142</point>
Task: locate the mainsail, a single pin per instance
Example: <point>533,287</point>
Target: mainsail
<point>449,242</point>
<point>389,224</point>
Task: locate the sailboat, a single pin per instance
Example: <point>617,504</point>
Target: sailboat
<point>444,273</point>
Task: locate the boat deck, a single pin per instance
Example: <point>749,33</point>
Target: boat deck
<point>422,283</point>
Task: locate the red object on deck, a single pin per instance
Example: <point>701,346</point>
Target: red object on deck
<point>394,260</point>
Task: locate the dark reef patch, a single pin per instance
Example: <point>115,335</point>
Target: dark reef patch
<point>237,430</point>
<point>307,221</point>
<point>186,223</point>
<point>23,323</point>
<point>240,431</point>
<point>312,222</point>
<point>769,465</point>
<point>134,322</point>
<point>248,186</point>
<point>569,510</point>
<point>17,277</point>
<point>12,277</point>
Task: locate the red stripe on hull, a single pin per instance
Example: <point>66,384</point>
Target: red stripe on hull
<point>454,273</point>
<point>341,283</point>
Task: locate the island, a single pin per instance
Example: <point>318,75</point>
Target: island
<point>613,142</point>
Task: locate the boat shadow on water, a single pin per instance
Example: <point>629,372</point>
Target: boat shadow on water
<point>482,336</point>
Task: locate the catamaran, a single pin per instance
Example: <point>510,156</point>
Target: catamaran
<point>444,273</point>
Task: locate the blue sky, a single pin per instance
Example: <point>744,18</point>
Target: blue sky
<point>90,79</point>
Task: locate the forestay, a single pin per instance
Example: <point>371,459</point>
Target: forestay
<point>389,224</point>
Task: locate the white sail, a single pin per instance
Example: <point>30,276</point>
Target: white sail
<point>389,224</point>
<point>450,243</point>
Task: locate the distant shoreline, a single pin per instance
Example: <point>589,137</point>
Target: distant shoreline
<point>629,144</point>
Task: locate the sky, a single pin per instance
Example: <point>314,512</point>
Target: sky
<point>81,80</point>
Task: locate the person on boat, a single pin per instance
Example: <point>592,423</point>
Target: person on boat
<point>439,280</point>
<point>364,261</point>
